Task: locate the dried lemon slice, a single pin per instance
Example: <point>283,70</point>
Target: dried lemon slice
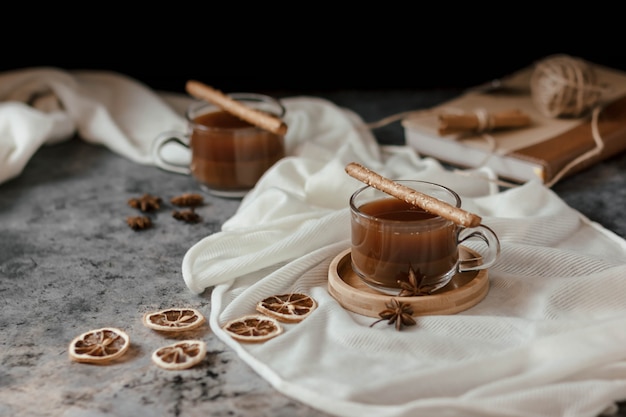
<point>290,308</point>
<point>253,328</point>
<point>180,355</point>
<point>99,346</point>
<point>174,319</point>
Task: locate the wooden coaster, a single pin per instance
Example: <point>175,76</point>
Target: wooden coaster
<point>462,292</point>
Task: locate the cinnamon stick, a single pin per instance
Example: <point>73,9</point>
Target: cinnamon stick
<point>481,121</point>
<point>258,118</point>
<point>411,196</point>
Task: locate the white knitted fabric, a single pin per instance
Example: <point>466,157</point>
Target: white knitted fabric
<point>40,106</point>
<point>549,339</point>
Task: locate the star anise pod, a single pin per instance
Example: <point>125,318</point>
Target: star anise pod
<point>397,312</point>
<point>188,216</point>
<point>413,286</point>
<point>187,200</point>
<point>139,222</point>
<point>145,203</point>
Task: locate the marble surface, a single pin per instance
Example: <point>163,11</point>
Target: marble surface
<point>70,263</point>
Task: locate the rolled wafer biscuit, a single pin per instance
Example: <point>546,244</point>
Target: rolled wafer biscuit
<point>258,118</point>
<point>411,196</point>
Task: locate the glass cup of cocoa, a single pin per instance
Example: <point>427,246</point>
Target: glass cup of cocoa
<point>392,239</point>
<point>228,154</point>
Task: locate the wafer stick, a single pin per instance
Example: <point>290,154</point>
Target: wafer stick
<point>411,196</point>
<point>258,118</point>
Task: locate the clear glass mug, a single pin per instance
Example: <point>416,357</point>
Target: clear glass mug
<point>390,237</point>
<point>228,155</point>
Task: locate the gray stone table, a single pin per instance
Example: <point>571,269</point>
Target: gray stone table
<point>70,263</point>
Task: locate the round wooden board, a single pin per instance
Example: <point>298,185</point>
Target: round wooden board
<point>464,290</point>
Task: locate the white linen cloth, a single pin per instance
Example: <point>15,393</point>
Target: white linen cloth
<point>548,340</point>
<point>41,106</point>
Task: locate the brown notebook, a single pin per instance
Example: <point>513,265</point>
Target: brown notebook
<point>539,151</point>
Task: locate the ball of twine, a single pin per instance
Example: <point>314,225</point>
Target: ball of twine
<point>564,86</point>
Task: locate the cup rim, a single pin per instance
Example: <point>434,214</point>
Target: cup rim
<point>438,219</point>
<point>252,97</point>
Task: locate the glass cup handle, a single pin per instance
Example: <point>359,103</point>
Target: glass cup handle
<point>157,146</point>
<point>488,256</point>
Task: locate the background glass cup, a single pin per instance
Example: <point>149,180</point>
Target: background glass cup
<point>389,237</point>
<point>228,155</point>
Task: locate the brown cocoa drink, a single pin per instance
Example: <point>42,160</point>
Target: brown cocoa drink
<point>229,153</point>
<point>393,236</point>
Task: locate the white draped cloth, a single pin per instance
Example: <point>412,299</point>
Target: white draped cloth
<point>40,106</point>
<point>549,338</point>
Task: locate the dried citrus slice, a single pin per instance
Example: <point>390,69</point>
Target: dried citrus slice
<point>99,346</point>
<point>290,308</point>
<point>174,319</point>
<point>180,355</point>
<point>253,328</point>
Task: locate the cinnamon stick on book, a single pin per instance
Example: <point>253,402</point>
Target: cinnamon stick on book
<point>258,118</point>
<point>481,121</point>
<point>414,197</point>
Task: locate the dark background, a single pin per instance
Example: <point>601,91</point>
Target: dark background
<point>307,47</point>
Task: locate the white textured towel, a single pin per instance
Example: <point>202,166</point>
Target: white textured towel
<point>41,106</point>
<point>549,339</point>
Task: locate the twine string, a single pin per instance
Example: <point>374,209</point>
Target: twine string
<point>599,146</point>
<point>564,86</point>
<point>485,122</point>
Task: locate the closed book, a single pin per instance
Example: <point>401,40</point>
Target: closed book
<point>546,150</point>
